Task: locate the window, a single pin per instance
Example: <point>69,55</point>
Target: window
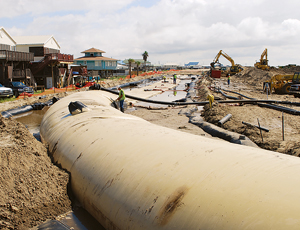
<point>97,63</point>
<point>4,47</point>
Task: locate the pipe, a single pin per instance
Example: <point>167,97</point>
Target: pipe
<point>267,105</point>
<point>259,127</point>
<point>26,108</point>
<point>13,112</point>
<point>280,108</point>
<point>131,174</point>
<point>254,101</point>
<point>224,119</point>
<point>216,131</point>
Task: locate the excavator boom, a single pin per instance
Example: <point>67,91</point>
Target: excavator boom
<point>263,62</point>
<point>234,68</point>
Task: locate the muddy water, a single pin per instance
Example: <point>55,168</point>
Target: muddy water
<point>32,121</point>
<point>171,95</point>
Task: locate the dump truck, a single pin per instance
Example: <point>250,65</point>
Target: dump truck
<point>281,83</point>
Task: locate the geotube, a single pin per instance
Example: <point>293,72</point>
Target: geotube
<point>13,112</point>
<point>27,108</point>
<point>131,174</point>
<point>216,131</point>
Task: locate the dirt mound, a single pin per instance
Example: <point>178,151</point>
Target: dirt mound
<point>32,188</point>
<point>249,82</point>
<point>255,77</point>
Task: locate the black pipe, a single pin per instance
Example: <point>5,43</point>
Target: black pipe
<point>191,92</point>
<point>280,108</point>
<point>254,101</point>
<point>269,104</point>
<point>226,90</point>
<point>259,127</point>
<point>269,101</point>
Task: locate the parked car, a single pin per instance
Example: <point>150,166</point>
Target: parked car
<point>5,92</point>
<point>19,87</point>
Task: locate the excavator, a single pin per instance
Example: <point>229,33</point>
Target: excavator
<point>263,63</point>
<point>233,69</point>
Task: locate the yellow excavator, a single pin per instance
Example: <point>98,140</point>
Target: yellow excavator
<point>263,62</point>
<point>233,69</point>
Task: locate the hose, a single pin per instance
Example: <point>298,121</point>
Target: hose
<point>268,103</point>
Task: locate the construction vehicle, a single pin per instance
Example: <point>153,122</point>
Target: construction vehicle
<point>295,87</point>
<point>233,69</point>
<point>281,83</point>
<point>263,62</point>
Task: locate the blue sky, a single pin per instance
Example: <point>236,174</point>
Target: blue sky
<point>172,31</point>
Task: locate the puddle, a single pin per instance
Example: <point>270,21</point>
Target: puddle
<point>175,94</point>
<point>32,120</point>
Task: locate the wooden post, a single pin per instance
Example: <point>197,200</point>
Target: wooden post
<point>282,126</point>
<point>260,131</point>
<point>52,78</point>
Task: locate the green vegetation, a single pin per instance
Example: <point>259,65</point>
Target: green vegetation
<point>7,99</point>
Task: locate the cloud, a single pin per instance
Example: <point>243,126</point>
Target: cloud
<point>13,8</point>
<point>170,30</point>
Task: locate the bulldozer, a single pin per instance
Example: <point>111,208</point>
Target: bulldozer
<point>234,67</point>
<point>263,62</point>
<point>281,83</point>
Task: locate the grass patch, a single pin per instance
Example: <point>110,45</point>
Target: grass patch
<point>7,99</point>
<point>38,92</point>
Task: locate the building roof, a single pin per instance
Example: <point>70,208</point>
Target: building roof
<point>3,30</point>
<point>93,50</point>
<point>30,40</point>
<point>95,59</point>
<point>192,63</point>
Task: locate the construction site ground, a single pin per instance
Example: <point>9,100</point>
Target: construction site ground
<point>34,190</point>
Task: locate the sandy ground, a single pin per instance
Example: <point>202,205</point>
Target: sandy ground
<point>34,190</point>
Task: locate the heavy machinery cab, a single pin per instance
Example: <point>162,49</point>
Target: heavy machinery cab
<point>295,86</point>
<point>296,78</point>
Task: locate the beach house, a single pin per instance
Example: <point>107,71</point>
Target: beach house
<point>97,64</point>
<point>14,65</point>
<point>49,67</point>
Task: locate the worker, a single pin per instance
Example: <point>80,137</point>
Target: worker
<point>174,78</point>
<point>228,79</point>
<point>164,78</point>
<point>121,98</point>
<point>211,99</point>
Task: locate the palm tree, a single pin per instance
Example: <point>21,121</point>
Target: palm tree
<point>130,61</point>
<point>145,56</point>
<point>137,67</point>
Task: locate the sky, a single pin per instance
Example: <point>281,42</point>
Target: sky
<point>171,31</point>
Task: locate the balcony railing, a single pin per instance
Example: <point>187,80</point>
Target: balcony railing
<point>64,57</point>
<point>16,56</point>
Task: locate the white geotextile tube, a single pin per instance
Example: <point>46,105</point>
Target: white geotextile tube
<point>131,174</point>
